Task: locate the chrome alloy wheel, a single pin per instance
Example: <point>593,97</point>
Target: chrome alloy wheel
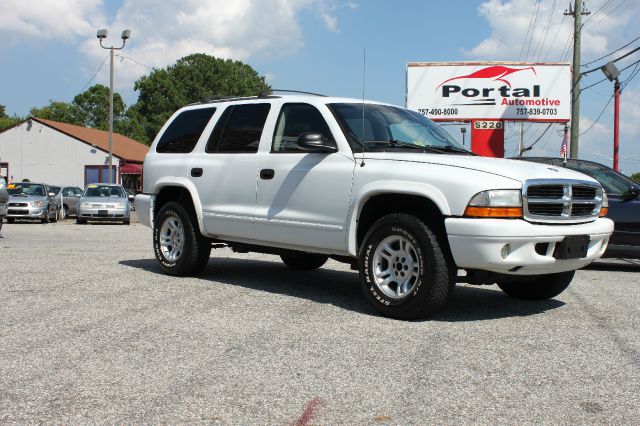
<point>396,268</point>
<point>172,239</point>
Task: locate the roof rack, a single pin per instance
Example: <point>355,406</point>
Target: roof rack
<point>298,91</point>
<point>215,99</point>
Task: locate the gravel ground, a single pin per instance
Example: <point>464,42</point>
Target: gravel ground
<point>92,332</point>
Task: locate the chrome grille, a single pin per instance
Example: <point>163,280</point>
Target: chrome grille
<point>561,201</point>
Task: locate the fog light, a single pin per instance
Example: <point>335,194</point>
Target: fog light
<point>505,251</point>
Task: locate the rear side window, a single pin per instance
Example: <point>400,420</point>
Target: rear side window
<point>239,129</point>
<point>182,134</point>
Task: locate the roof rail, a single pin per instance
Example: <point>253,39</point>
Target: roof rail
<point>298,91</point>
<point>214,99</point>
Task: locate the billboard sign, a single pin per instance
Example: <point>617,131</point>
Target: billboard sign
<point>456,91</point>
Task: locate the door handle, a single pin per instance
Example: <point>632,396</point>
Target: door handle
<point>196,172</point>
<point>267,173</point>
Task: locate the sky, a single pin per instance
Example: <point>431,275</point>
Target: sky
<point>50,51</point>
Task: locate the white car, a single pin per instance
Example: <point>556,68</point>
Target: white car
<point>103,202</point>
<point>374,185</point>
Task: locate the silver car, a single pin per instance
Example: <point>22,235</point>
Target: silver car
<point>68,198</point>
<point>4,197</point>
<point>28,200</point>
<point>103,202</point>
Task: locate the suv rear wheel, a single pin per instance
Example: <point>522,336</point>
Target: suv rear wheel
<point>178,245</point>
<point>404,271</point>
<point>538,287</point>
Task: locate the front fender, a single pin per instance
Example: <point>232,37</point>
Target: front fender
<point>176,181</point>
<point>363,194</point>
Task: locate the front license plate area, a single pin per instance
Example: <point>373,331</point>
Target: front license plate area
<point>572,247</point>
<point>103,212</point>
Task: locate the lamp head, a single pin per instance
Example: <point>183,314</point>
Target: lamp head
<point>610,70</point>
<point>102,33</point>
<point>126,34</point>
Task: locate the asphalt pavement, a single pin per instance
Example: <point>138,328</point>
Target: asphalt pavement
<point>91,331</point>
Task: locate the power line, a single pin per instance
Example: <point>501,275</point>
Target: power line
<point>546,31</point>
<point>528,28</point>
<point>596,12</point>
<point>94,74</point>
<point>599,116</point>
<point>615,60</point>
<point>533,29</point>
<point>609,54</point>
<point>610,12</point>
<point>135,61</point>
<point>555,36</point>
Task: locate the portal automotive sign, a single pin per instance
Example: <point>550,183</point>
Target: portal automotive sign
<point>490,91</point>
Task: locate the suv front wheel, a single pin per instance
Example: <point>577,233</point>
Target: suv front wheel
<point>404,270</point>
<point>178,244</point>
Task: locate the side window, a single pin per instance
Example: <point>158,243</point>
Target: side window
<point>68,192</point>
<point>294,120</point>
<point>239,129</point>
<point>182,134</point>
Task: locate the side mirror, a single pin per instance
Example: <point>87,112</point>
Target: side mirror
<point>315,142</point>
<point>632,192</point>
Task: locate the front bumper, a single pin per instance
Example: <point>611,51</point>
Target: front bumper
<point>27,212</point>
<point>480,244</point>
<point>103,214</point>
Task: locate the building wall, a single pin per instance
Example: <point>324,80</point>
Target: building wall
<point>42,154</point>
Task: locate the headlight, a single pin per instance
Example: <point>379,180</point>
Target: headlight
<point>38,204</point>
<point>85,205</point>
<point>119,205</point>
<point>605,205</point>
<point>497,203</point>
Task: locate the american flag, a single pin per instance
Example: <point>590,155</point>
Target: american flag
<point>563,147</point>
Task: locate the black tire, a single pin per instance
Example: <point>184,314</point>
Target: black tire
<point>80,221</point>
<point>432,269</point>
<point>196,249</point>
<point>10,220</point>
<point>126,222</point>
<point>1,220</point>
<point>304,261</point>
<point>46,218</point>
<point>538,287</point>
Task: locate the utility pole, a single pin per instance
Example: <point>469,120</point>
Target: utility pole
<point>102,34</point>
<point>577,14</point>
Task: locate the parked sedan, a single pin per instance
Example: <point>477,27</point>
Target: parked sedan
<point>624,203</point>
<point>4,197</point>
<point>70,196</point>
<point>103,202</point>
<point>29,200</point>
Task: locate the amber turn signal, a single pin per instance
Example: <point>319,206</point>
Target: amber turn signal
<point>604,211</point>
<point>501,212</point>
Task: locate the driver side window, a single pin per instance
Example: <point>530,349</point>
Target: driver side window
<point>294,120</point>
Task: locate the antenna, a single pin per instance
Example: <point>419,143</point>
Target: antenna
<point>364,75</point>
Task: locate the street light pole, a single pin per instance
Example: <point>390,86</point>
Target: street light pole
<point>102,34</point>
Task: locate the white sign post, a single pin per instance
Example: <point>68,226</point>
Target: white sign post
<point>490,91</point>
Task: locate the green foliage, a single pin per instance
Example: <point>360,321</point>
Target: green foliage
<point>93,105</point>
<point>636,177</point>
<point>192,79</point>
<point>5,120</point>
<point>59,111</point>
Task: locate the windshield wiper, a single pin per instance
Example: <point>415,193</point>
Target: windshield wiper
<point>395,143</point>
<point>447,148</point>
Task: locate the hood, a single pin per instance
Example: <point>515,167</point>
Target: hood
<point>512,169</point>
<point>26,198</point>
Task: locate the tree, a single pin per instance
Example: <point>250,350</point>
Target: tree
<point>191,79</point>
<point>59,111</point>
<point>636,177</point>
<point>5,120</point>
<point>94,106</point>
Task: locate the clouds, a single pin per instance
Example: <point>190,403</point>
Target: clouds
<point>164,32</point>
<point>48,19</point>
<point>526,30</point>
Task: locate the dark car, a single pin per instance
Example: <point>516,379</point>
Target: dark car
<point>624,203</point>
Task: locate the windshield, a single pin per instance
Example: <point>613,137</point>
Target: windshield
<point>54,189</point>
<point>387,128</point>
<point>26,189</point>
<point>103,191</point>
<point>612,182</point>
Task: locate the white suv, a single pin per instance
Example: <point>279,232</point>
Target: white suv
<point>377,186</point>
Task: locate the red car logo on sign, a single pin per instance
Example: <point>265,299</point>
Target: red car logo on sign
<point>497,73</point>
